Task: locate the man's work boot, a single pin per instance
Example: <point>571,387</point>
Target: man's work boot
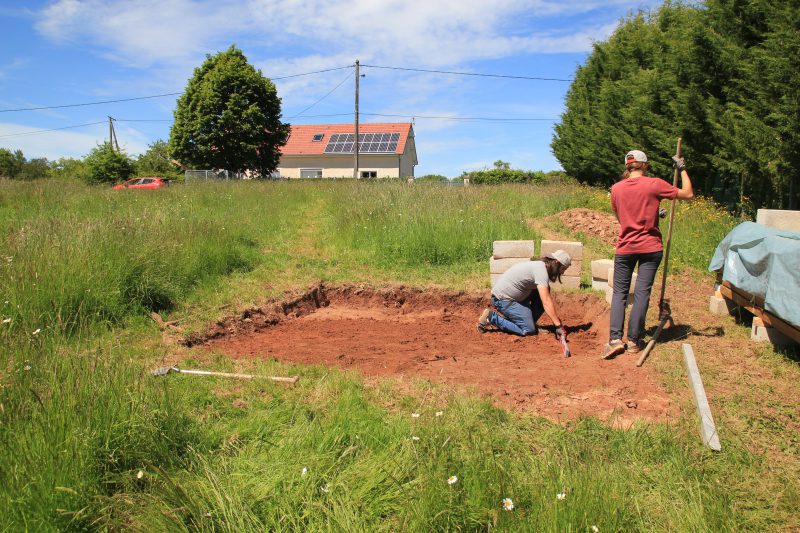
<point>483,321</point>
<point>613,348</point>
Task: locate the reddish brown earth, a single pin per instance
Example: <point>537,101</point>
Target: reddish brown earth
<point>604,226</point>
<point>429,334</point>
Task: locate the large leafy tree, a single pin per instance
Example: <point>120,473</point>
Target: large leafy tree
<point>229,117</point>
<point>724,76</point>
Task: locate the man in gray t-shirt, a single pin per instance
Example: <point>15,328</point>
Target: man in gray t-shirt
<point>522,294</point>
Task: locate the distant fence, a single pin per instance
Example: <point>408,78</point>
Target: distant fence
<point>205,175</point>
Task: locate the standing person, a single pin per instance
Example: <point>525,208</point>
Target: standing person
<point>635,200</point>
<point>522,294</point>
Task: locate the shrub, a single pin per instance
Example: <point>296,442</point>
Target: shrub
<point>105,165</point>
<point>496,176</point>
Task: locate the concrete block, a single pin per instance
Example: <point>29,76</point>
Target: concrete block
<point>767,334</point>
<point>574,249</point>
<point>503,249</point>
<point>574,268</point>
<point>599,284</point>
<point>498,266</point>
<point>494,278</point>
<point>611,279</point>
<point>600,268</point>
<point>567,282</point>
<point>779,219</point>
<point>718,305</point>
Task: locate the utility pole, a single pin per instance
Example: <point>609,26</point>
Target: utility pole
<point>112,135</point>
<point>355,145</point>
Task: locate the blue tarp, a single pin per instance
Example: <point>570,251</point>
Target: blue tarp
<point>764,262</point>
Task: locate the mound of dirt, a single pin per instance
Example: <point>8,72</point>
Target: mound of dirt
<point>590,222</point>
<point>431,334</point>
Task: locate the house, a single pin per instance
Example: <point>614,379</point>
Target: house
<point>386,150</point>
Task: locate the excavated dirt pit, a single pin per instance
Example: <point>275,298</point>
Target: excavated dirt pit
<point>426,333</point>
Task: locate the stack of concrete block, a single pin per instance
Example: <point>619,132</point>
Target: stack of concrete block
<point>779,219</point>
<point>610,288</point>
<point>571,279</point>
<point>600,268</point>
<point>764,333</point>
<point>505,254</point>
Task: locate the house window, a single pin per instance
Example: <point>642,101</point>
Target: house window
<point>318,137</point>
<point>311,173</point>
<point>369,173</point>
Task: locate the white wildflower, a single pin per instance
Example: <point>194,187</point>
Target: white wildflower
<point>508,504</point>
<point>452,480</point>
<point>26,368</point>
<point>561,496</point>
<point>6,320</point>
<point>414,415</point>
<point>304,471</point>
<point>595,529</point>
<point>439,413</point>
<point>139,474</point>
<point>414,438</point>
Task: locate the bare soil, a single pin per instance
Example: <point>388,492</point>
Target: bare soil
<point>604,226</point>
<point>430,334</point>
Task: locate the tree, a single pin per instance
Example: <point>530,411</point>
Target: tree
<point>35,169</point>
<point>229,117</point>
<point>68,168</point>
<point>724,76</point>
<point>156,161</point>
<point>11,163</point>
<point>502,165</point>
<point>105,165</point>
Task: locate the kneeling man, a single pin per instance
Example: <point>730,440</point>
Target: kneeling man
<point>522,294</point>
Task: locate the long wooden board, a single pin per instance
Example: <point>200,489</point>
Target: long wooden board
<point>708,430</point>
<point>755,305</point>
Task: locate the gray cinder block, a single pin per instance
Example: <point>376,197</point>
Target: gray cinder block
<point>503,249</point>
<point>573,248</point>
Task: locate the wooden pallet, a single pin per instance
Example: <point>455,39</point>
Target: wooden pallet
<point>755,304</point>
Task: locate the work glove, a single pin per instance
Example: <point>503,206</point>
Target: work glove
<point>561,333</point>
<point>662,212</point>
<point>678,163</point>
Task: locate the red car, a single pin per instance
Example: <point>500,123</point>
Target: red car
<point>149,182</point>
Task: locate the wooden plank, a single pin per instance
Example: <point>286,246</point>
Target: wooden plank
<point>708,430</point>
<point>755,306</point>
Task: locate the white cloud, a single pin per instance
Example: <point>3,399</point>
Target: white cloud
<point>446,32</point>
<point>51,144</point>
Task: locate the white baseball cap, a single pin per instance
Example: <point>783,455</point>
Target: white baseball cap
<point>635,155</point>
<point>561,256</point>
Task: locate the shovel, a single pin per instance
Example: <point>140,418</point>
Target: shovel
<point>665,314</point>
<point>164,370</point>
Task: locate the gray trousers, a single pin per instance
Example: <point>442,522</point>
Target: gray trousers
<point>624,265</point>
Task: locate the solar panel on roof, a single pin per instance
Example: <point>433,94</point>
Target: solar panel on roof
<point>370,143</point>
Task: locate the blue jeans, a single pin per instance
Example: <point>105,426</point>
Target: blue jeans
<point>518,318</point>
<point>624,265</point>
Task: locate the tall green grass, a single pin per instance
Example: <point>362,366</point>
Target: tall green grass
<point>340,463</point>
<point>81,267</point>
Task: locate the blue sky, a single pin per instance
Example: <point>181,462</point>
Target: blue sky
<point>75,51</point>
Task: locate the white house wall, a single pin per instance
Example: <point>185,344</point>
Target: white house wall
<point>387,166</point>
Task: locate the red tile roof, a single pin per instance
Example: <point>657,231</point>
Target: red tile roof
<point>300,139</point>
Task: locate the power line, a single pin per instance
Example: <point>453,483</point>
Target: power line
<point>149,96</point>
<point>34,132</point>
<point>483,75</point>
<point>321,99</point>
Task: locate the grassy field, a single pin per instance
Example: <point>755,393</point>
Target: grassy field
<point>90,441</point>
